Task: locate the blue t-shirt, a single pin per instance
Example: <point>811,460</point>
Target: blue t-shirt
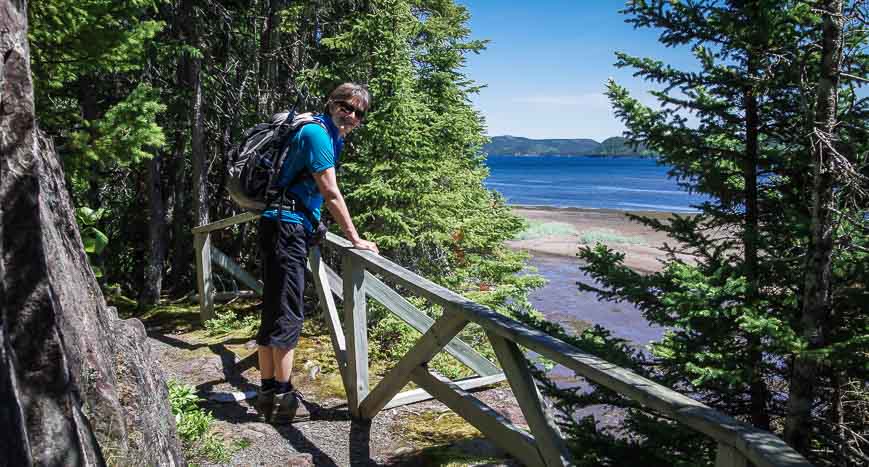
<point>314,149</point>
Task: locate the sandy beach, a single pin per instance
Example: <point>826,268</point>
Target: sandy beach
<point>573,226</point>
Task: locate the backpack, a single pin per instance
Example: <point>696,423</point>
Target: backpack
<point>257,160</point>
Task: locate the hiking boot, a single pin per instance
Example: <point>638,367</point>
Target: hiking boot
<point>290,408</point>
<point>265,403</point>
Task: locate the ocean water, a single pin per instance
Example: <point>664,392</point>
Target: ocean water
<point>624,183</point>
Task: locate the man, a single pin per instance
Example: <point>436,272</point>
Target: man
<point>284,241</point>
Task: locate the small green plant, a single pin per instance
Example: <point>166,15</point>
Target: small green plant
<point>537,229</point>
<point>191,421</point>
<point>227,321</point>
<point>193,425</point>
<point>595,236</point>
<point>94,239</point>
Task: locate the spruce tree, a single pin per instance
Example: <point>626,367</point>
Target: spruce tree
<point>734,310</point>
<point>414,172</point>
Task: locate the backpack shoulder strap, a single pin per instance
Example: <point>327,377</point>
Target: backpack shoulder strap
<point>300,120</point>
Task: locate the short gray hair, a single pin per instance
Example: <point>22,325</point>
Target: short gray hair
<point>347,91</point>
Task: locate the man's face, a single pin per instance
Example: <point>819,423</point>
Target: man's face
<point>347,115</point>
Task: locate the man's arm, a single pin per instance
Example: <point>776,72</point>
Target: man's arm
<point>334,201</point>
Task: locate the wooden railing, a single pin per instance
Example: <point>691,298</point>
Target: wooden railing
<point>738,443</point>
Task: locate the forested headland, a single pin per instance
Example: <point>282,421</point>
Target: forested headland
<point>143,100</point>
<point>519,146</point>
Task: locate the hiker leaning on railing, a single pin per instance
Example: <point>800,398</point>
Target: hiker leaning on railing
<point>286,232</point>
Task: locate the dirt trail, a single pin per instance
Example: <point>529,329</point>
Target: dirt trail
<point>395,437</point>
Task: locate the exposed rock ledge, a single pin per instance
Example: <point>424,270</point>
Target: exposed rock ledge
<point>78,386</point>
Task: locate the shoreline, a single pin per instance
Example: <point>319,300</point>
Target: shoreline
<point>573,209</point>
<point>561,231</point>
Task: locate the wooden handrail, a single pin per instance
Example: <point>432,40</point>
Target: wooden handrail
<point>761,447</point>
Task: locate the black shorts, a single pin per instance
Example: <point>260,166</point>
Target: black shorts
<point>284,251</point>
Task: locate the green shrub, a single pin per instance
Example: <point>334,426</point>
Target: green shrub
<point>537,229</point>
<point>227,321</point>
<point>595,236</point>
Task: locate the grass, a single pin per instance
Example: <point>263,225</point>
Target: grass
<point>538,229</point>
<point>433,428</point>
<point>608,236</point>
<point>436,433</point>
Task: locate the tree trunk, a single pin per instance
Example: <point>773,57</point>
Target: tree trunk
<point>268,63</point>
<point>757,386</point>
<point>78,385</point>
<point>182,221</point>
<point>816,291</point>
<point>197,146</point>
<point>182,243</point>
<point>153,283</point>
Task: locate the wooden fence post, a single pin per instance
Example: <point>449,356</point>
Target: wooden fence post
<point>202,245</point>
<point>356,332</point>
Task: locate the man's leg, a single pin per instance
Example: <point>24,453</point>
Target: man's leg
<point>288,407</point>
<point>268,318</point>
<point>266,357</point>
<point>283,364</point>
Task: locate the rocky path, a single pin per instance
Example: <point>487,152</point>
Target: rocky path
<point>425,433</point>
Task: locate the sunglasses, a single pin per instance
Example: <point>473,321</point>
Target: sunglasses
<point>347,108</point>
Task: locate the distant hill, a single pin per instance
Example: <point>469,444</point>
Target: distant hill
<point>618,146</point>
<point>518,146</point>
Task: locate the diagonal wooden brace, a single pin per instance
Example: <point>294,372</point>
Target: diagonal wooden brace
<point>432,342</point>
<point>546,434</point>
<point>492,424</point>
<point>420,321</point>
<point>330,311</point>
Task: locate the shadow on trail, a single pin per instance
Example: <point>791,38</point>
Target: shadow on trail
<point>359,435</point>
<point>328,428</point>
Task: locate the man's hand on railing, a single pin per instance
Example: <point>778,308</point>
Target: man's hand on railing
<point>366,245</point>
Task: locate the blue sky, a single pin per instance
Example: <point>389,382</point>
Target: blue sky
<point>548,61</point>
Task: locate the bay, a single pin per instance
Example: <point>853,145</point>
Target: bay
<point>623,183</point>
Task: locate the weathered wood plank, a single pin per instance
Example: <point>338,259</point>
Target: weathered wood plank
<point>403,277</point>
<point>227,296</point>
<point>330,311</point>
<point>492,424</point>
<point>376,289</point>
<point>549,439</point>
<point>233,268</point>
<point>435,339</point>
<point>418,395</point>
<point>727,456</point>
<point>356,322</point>
<point>204,281</point>
<point>335,282</point>
<point>224,223</point>
<point>418,320</point>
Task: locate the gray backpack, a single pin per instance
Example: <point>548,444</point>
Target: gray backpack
<point>258,158</point>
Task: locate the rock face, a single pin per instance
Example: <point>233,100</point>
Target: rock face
<point>78,386</point>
